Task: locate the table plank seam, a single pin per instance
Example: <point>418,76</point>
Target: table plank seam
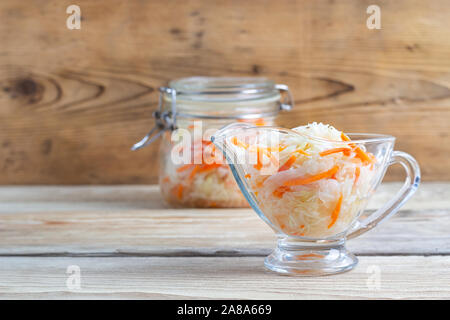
<point>196,255</point>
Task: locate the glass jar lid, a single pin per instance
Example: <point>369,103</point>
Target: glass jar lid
<point>224,89</point>
<point>225,97</point>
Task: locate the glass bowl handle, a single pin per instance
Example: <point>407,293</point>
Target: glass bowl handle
<point>391,207</point>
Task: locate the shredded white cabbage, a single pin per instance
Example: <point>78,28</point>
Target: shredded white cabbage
<point>299,207</point>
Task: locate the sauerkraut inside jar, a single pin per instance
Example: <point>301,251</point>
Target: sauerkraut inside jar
<point>191,110</point>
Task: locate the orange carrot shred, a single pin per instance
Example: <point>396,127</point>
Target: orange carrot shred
<point>344,137</point>
<point>281,148</point>
<point>288,163</point>
<point>335,213</point>
<point>302,152</point>
<point>179,191</point>
<point>359,152</point>
<point>260,153</point>
<point>258,164</point>
<point>260,183</point>
<point>363,156</point>
<point>185,167</point>
<point>280,191</point>
<point>260,122</point>
<point>335,150</point>
<point>194,172</point>
<point>239,143</point>
<point>248,175</point>
<point>307,180</point>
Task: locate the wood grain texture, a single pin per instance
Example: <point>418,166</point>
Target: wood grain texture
<point>132,221</point>
<point>128,245</point>
<point>219,278</point>
<point>72,102</point>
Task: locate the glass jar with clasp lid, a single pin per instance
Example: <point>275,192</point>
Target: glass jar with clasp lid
<point>190,111</point>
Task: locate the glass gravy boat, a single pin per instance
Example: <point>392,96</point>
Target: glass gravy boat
<point>317,204</point>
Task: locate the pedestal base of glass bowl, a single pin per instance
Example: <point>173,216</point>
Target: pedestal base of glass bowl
<point>310,259</point>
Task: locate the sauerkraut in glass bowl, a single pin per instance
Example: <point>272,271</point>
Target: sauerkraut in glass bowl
<point>310,185</point>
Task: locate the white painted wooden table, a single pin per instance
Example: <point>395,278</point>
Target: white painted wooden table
<point>128,245</point>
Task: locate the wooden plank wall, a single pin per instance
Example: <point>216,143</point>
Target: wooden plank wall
<point>72,102</point>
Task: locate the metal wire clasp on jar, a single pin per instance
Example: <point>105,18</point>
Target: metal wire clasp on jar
<point>192,173</point>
